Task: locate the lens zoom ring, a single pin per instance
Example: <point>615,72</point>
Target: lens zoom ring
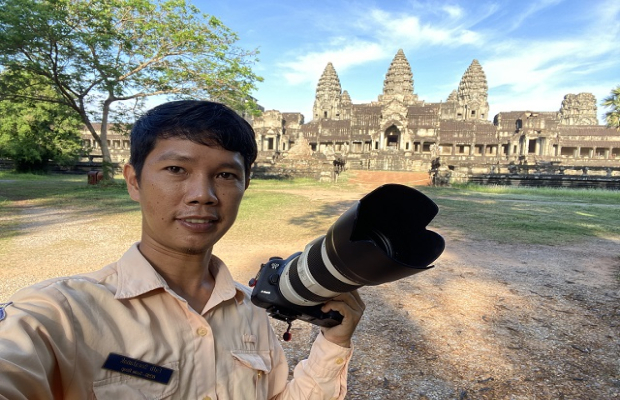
<point>322,275</point>
<point>299,287</point>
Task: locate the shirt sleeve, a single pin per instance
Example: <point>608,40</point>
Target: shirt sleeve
<point>323,375</point>
<point>35,346</point>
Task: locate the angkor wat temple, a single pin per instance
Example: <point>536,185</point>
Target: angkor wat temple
<point>400,132</point>
<point>455,140</point>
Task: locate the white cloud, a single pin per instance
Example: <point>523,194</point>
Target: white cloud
<point>530,9</point>
<point>375,35</point>
<point>307,68</point>
<point>397,30</point>
<point>534,65</point>
<point>605,15</point>
<point>538,72</point>
<point>453,11</point>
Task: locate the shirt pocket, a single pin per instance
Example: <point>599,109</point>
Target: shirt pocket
<point>118,386</point>
<point>249,373</point>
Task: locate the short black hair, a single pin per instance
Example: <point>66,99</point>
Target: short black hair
<point>201,121</point>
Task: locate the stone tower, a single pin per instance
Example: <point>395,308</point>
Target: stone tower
<point>450,108</point>
<point>328,95</point>
<point>345,105</point>
<point>472,94</point>
<point>578,109</point>
<point>398,83</point>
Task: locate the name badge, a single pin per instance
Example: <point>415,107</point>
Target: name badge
<point>138,368</point>
<point>2,307</point>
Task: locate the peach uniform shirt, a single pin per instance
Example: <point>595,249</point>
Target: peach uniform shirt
<point>57,335</point>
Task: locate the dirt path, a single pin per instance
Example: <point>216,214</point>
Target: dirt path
<point>488,322</point>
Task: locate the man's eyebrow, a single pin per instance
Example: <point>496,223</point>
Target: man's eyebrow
<point>232,165</point>
<point>173,156</point>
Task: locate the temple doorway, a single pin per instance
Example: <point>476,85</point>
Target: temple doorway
<point>392,138</point>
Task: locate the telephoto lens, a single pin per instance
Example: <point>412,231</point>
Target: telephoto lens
<point>382,238</point>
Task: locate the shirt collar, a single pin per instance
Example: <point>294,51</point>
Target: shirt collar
<point>136,277</point>
<point>225,286</point>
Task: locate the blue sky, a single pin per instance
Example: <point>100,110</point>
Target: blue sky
<point>533,52</point>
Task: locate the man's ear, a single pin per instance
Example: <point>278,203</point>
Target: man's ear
<point>133,186</point>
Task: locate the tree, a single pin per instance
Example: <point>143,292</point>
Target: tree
<point>613,101</point>
<point>33,133</point>
<point>96,53</point>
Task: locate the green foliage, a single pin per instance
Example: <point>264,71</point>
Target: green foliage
<point>33,133</point>
<point>613,102</point>
<point>95,53</point>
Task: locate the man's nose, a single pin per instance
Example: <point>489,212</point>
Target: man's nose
<point>201,191</point>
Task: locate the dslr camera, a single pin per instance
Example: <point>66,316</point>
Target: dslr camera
<point>381,238</point>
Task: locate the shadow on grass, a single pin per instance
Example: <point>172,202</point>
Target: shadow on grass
<point>326,214</point>
<point>25,205</point>
<point>26,218</point>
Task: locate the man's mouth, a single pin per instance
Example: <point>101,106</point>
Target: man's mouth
<point>197,220</point>
<point>199,225</point>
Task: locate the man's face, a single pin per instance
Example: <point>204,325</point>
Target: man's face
<point>189,194</point>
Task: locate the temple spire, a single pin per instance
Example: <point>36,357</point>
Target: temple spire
<point>472,93</point>
<point>398,83</point>
<point>328,91</point>
<point>399,78</point>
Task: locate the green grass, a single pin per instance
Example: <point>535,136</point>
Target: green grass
<point>58,191</point>
<point>54,189</point>
<point>528,215</point>
<point>501,214</point>
<point>598,196</point>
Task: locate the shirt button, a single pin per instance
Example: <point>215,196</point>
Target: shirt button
<point>339,361</point>
<point>202,331</point>
<point>207,398</point>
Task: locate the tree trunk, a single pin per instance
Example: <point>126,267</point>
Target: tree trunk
<point>102,141</point>
<point>108,167</point>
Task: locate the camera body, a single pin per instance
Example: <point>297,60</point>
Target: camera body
<point>266,294</point>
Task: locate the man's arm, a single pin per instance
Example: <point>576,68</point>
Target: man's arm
<point>35,340</point>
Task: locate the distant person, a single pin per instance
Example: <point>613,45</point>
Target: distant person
<point>167,321</point>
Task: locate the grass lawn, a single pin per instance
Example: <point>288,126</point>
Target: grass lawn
<point>502,214</point>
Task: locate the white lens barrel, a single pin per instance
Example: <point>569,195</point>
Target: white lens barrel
<point>306,278</point>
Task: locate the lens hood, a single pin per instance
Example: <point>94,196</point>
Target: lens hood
<point>383,237</point>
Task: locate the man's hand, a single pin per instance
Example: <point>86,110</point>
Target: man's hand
<point>351,307</point>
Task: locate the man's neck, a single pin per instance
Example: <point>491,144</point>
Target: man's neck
<point>188,275</point>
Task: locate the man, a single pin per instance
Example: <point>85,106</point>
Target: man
<point>167,321</point>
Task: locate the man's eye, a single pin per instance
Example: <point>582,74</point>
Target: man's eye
<point>227,175</point>
<point>175,170</point>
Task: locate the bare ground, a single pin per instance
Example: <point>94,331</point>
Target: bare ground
<point>488,322</point>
